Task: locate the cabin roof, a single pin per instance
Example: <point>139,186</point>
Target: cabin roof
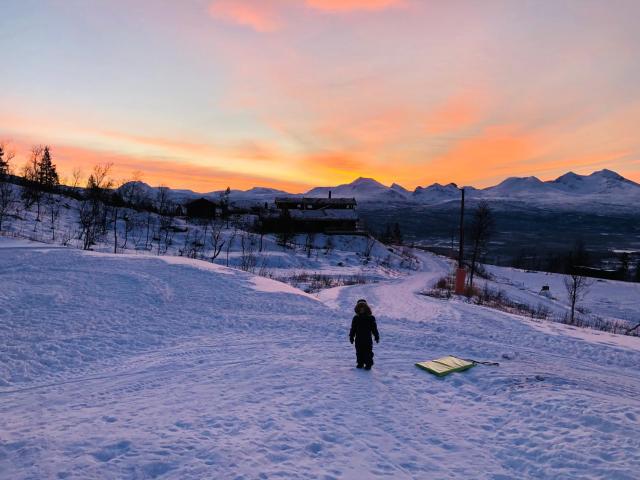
<point>199,201</point>
<point>323,215</point>
<point>315,201</point>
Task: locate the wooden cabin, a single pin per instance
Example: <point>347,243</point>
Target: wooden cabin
<point>313,215</point>
<point>201,208</point>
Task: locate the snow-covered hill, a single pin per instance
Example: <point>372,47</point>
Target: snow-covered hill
<point>252,195</point>
<point>136,367</point>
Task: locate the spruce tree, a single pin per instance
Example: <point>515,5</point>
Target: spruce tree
<point>397,233</point>
<point>4,165</point>
<point>47,173</point>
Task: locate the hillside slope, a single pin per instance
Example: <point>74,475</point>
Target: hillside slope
<point>142,367</point>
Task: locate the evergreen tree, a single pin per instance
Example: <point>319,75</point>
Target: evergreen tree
<point>397,234</point>
<point>623,269</point>
<point>4,164</point>
<point>387,236</point>
<point>47,173</point>
<point>637,276</point>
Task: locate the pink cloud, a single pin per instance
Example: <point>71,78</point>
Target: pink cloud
<point>352,5</point>
<point>258,15</point>
<point>266,16</point>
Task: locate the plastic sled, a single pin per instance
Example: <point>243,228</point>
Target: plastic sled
<point>445,365</point>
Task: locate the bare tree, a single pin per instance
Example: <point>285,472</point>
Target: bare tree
<point>230,240</point>
<point>128,194</point>
<point>148,222</point>
<point>481,230</point>
<point>196,246</point>
<point>115,211</point>
<point>248,258</point>
<point>52,208</point>
<point>165,233</point>
<point>132,192</point>
<point>76,178</point>
<point>129,219</point>
<point>368,247</point>
<point>162,199</point>
<point>32,191</point>
<point>577,287</point>
<point>309,242</point>
<point>93,208</point>
<point>329,245</point>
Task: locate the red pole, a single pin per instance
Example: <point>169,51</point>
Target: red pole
<point>460,272</point>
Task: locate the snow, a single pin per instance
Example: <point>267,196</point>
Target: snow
<point>136,367</point>
<point>341,257</point>
<point>607,298</point>
<point>262,284</point>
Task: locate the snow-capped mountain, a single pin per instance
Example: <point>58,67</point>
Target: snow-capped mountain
<point>570,190</point>
<point>362,189</point>
<point>602,187</point>
<point>600,182</point>
<point>517,186</point>
<point>255,194</point>
<point>437,193</point>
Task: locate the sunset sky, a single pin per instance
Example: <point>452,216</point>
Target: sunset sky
<point>202,94</point>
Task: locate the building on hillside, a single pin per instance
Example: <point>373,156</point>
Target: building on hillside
<point>201,208</point>
<point>313,215</point>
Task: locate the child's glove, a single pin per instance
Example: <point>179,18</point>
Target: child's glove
<point>377,339</point>
<point>351,340</point>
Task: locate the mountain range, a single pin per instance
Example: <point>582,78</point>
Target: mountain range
<point>603,187</point>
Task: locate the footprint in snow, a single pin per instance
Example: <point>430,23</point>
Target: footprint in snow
<point>155,469</point>
<point>314,448</point>
<point>305,412</point>
<point>112,451</point>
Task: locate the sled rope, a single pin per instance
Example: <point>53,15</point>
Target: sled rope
<point>478,362</point>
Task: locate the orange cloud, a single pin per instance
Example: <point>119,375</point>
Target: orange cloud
<point>154,170</point>
<point>583,164</point>
<point>335,166</point>
<point>456,113</point>
<point>255,14</point>
<point>351,5</point>
<point>496,151</point>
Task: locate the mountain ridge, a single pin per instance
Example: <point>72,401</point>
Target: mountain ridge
<point>602,186</point>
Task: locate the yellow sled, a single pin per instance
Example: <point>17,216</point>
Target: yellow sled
<point>445,365</point>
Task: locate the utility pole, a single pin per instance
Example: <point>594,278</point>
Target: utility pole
<point>460,272</point>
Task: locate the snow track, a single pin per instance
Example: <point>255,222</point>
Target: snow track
<point>134,367</point>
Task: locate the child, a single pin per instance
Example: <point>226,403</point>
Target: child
<point>363,326</point>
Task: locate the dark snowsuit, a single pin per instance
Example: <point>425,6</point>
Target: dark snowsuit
<point>363,326</point>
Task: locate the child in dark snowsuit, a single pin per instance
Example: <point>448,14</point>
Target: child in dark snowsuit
<point>363,326</point>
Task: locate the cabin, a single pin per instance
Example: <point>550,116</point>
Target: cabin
<point>545,291</point>
<point>201,208</point>
<point>313,215</point>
